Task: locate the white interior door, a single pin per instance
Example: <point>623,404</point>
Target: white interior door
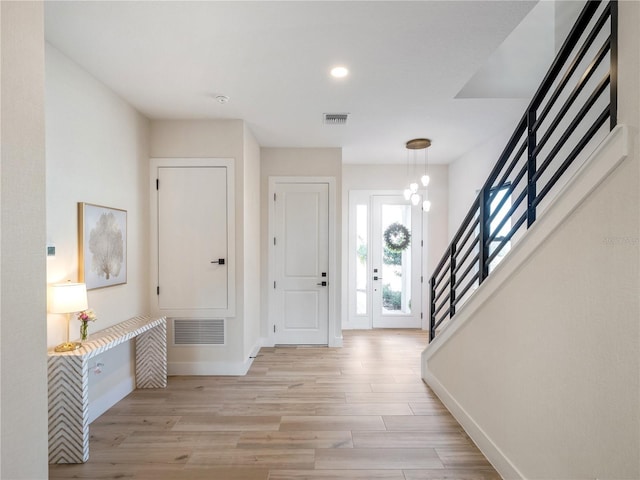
<point>395,275</point>
<point>301,251</point>
<point>192,238</point>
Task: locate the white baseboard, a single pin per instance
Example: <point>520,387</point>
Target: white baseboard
<point>498,459</point>
<point>100,405</point>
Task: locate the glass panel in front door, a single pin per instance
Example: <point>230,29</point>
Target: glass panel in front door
<point>396,263</point>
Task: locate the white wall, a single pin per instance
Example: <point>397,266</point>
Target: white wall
<point>468,173</point>
<point>302,162</point>
<point>23,375</point>
<point>220,139</point>
<point>566,13</point>
<point>96,153</point>
<point>252,243</point>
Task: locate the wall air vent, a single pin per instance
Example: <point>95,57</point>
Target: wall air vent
<point>198,331</point>
<point>335,118</point>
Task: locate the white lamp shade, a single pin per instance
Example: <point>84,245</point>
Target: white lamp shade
<point>413,187</point>
<point>415,199</point>
<point>407,194</point>
<point>425,180</point>
<point>68,298</point>
<point>426,205</point>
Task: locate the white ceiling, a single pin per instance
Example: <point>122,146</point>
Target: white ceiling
<point>409,63</point>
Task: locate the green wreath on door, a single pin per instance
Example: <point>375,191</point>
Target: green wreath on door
<point>397,237</point>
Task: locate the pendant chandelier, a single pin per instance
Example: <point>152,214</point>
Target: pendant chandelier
<point>412,192</point>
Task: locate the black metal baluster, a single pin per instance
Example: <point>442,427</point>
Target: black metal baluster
<point>452,282</point>
<point>531,168</point>
<point>432,310</point>
<point>613,68</point>
<point>483,224</point>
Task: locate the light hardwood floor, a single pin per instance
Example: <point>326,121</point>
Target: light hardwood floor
<point>357,412</point>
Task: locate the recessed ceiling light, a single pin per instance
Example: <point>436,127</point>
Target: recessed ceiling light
<point>222,98</point>
<point>339,72</point>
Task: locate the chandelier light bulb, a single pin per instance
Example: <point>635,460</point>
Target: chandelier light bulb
<point>415,199</point>
<point>426,205</point>
<point>413,187</point>
<point>425,180</point>
<point>407,194</point>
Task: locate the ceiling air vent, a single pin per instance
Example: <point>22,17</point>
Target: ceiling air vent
<point>335,118</point>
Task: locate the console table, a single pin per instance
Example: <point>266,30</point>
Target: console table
<point>68,374</point>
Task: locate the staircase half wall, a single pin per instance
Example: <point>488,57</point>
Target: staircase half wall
<point>541,365</point>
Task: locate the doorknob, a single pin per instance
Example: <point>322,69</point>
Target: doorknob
<point>220,261</point>
<point>322,284</point>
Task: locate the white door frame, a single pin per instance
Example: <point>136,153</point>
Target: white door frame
<point>334,324</point>
<point>354,321</point>
<point>400,320</point>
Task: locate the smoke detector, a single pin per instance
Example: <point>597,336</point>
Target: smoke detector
<point>335,118</point>
<point>222,99</point>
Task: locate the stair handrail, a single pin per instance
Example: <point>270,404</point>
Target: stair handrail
<point>458,273</point>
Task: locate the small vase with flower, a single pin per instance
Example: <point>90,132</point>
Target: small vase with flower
<point>85,317</point>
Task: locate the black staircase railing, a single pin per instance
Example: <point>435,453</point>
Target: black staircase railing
<point>565,120</point>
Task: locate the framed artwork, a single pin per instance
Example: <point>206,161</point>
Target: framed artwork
<point>102,245</point>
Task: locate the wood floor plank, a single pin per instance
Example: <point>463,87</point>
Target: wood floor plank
<point>421,423</point>
<point>296,439</point>
<point>428,408</point>
<point>373,370</point>
<point>303,397</point>
<point>452,474</point>
<point>281,458</point>
<point>352,379</point>
<point>377,458</point>
<point>365,409</point>
<point>333,422</point>
<point>167,410</point>
<point>226,423</point>
<point>180,440</point>
<point>95,471</point>
<point>360,412</point>
<point>129,423</point>
<point>144,455</point>
<point>336,475</point>
<point>465,457</point>
<point>399,387</point>
<point>268,409</point>
<point>418,439</point>
<point>385,397</point>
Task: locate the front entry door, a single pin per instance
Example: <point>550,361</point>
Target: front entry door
<point>300,297</point>
<point>395,271</point>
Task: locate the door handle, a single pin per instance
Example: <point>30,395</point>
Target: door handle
<point>322,284</point>
<point>220,261</point>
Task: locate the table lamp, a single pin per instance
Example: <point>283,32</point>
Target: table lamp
<point>68,298</point>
